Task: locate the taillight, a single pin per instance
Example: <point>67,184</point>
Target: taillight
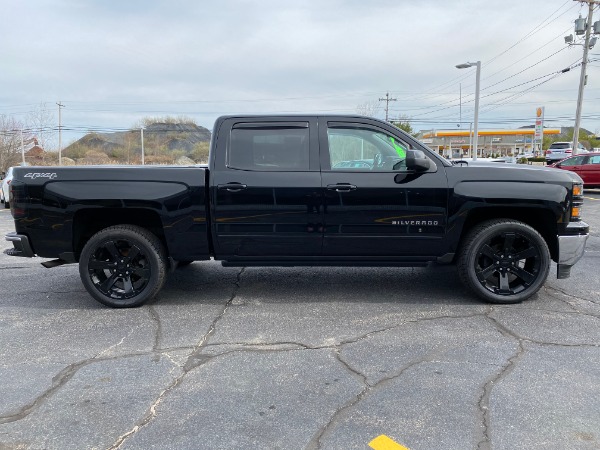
<point>568,151</point>
<point>17,194</point>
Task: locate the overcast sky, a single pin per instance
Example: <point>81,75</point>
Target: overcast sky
<point>112,63</point>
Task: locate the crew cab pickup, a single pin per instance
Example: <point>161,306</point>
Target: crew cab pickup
<point>302,190</point>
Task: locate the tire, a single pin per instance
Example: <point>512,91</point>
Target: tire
<point>6,204</point>
<point>503,261</point>
<point>115,277</point>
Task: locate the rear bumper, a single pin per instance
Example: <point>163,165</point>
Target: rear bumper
<point>571,248</point>
<point>21,245</point>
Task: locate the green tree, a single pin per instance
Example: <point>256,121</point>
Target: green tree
<point>403,123</point>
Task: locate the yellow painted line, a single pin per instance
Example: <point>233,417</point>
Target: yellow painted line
<point>385,443</point>
<point>591,198</point>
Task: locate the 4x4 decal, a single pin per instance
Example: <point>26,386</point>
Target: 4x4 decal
<point>34,175</point>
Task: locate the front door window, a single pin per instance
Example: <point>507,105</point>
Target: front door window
<point>352,149</point>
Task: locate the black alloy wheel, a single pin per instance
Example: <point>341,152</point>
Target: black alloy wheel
<point>123,266</point>
<point>504,261</point>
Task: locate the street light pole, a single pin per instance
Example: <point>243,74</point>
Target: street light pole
<point>476,118</point>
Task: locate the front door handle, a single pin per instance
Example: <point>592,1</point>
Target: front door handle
<point>232,187</point>
<point>341,187</point>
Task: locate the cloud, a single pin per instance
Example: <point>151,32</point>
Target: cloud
<point>112,62</point>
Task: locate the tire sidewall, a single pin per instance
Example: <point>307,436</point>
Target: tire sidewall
<point>136,236</point>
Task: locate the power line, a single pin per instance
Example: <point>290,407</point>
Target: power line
<point>532,32</point>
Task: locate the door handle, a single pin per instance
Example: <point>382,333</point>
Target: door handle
<point>232,187</point>
<point>341,187</point>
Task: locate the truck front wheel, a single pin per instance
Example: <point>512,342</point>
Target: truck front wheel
<point>123,266</point>
<point>504,261</point>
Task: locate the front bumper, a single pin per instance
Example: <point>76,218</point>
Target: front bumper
<point>571,248</point>
<point>21,246</point>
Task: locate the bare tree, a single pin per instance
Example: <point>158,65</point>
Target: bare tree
<point>369,109</point>
<point>41,123</point>
<point>10,141</point>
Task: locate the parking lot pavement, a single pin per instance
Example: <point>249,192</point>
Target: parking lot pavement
<point>295,358</point>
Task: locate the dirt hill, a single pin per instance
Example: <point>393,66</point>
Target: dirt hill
<point>164,143</point>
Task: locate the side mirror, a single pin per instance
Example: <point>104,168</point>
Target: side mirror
<point>417,161</point>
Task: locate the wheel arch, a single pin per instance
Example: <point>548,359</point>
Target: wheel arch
<point>540,219</point>
<point>88,221</point>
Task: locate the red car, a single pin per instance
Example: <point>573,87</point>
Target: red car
<point>586,166</point>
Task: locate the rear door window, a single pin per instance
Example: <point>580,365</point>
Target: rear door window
<point>267,147</point>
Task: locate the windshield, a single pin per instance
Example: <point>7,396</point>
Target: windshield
<point>560,145</point>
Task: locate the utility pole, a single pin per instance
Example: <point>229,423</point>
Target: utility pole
<point>387,101</point>
<point>582,77</point>
<point>142,135</point>
<point>22,147</point>
<point>60,105</point>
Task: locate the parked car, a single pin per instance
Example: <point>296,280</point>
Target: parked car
<point>562,150</point>
<point>587,166</point>
<point>526,155</point>
<point>4,187</point>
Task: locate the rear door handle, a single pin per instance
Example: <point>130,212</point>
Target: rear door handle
<point>232,187</point>
<point>341,187</point>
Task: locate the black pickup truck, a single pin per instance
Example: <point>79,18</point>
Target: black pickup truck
<point>302,190</point>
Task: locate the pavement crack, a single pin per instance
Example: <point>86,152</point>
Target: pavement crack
<point>158,327</point>
<point>483,404</point>
<point>58,381</point>
<point>349,368</point>
<point>268,346</point>
<point>194,360</point>
<point>316,442</point>
<point>106,350</point>
<point>553,292</point>
<point>403,323</point>
<point>66,374</point>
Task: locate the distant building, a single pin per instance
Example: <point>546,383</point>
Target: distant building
<point>35,155</point>
<point>456,143</point>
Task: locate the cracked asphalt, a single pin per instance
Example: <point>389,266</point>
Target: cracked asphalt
<point>299,358</point>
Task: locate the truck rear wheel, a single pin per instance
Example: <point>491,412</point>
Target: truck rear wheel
<point>504,261</point>
<point>123,266</point>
